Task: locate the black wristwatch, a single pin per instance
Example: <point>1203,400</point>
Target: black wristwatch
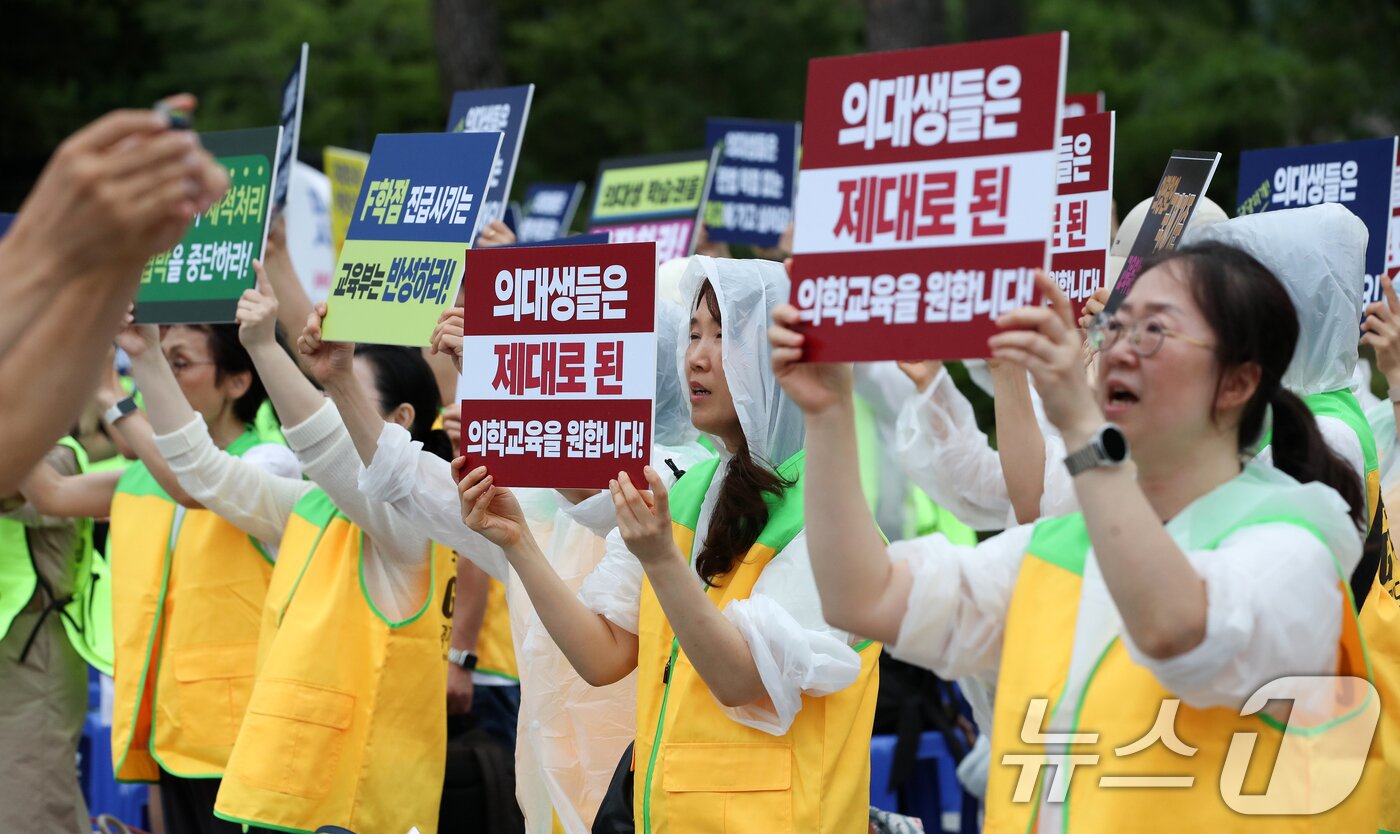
<point>1108,447</point>
<point>462,657</point>
<point>123,407</point>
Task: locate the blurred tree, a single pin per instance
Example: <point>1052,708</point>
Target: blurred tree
<point>902,24</point>
<point>467,34</point>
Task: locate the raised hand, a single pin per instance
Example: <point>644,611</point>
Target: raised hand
<point>325,360</point>
<point>489,510</point>
<point>1045,341</point>
<point>644,520</point>
<point>814,386</point>
<point>447,336</point>
<point>257,312</point>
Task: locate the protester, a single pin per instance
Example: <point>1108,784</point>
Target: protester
<point>1187,577</point>
<point>115,193</point>
<point>753,714</point>
<point>45,581</point>
<point>377,587</point>
<point>571,734</point>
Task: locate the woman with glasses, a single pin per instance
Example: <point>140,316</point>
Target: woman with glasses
<point>1128,642</point>
<point>187,585</point>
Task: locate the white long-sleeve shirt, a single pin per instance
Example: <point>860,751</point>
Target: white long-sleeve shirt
<point>396,565</point>
<point>796,652</point>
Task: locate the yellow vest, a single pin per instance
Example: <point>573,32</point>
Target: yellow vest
<point>699,770</point>
<point>495,652</point>
<point>1120,702</point>
<point>347,722</point>
<point>187,589</point>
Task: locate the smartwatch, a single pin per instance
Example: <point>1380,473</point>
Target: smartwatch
<point>462,657</point>
<point>1108,447</point>
<point>123,407</point>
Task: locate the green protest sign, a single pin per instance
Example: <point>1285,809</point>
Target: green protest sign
<point>202,277</point>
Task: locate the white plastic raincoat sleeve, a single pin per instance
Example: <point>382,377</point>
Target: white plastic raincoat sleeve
<point>256,499</point>
<point>958,602</point>
<point>1267,617</point>
<point>948,457</point>
<point>796,652</point>
<point>419,485</point>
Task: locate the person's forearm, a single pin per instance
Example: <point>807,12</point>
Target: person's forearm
<point>861,590</point>
<point>469,607</point>
<point>136,431</point>
<point>166,406</point>
<point>1020,445</point>
<point>601,653</point>
<point>361,420</point>
<point>714,646</point>
<point>292,394</point>
<point>293,305</point>
<point>1154,587</point>
<point>30,286</point>
<point>69,496</point>
<point>72,332</point>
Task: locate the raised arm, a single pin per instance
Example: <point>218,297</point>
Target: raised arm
<point>1020,445</point>
<point>293,305</point>
<point>333,363</point>
<point>862,589</point>
<point>713,644</point>
<point>51,493</point>
<point>598,649</point>
<point>115,193</point>
<point>166,409</point>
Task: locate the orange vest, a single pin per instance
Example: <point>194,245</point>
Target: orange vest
<point>697,768</point>
<point>187,590</point>
<point>347,722</point>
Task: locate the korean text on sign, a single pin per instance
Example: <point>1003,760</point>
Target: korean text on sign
<point>928,189</point>
<point>1079,239</point>
<point>751,193</point>
<point>559,359</point>
<point>652,198</point>
<point>413,222</point>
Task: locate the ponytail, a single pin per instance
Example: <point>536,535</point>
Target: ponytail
<point>1300,451</point>
<point>1255,323</point>
<point>741,513</point>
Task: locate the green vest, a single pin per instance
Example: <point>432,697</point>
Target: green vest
<point>1344,406</point>
<point>86,613</point>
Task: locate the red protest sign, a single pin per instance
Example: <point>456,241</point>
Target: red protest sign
<point>1083,104</point>
<point>559,363</point>
<point>1080,239</point>
<point>926,198</point>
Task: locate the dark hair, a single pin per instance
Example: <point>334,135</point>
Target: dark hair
<point>741,510</point>
<point>1254,322</point>
<point>402,375</point>
<point>229,358</point>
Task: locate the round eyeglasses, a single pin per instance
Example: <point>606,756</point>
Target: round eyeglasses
<point>1145,336</point>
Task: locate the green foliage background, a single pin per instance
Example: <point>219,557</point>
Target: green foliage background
<point>619,77</point>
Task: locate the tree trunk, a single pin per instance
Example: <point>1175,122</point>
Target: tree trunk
<point>995,19</point>
<point>902,24</point>
<point>467,35</point>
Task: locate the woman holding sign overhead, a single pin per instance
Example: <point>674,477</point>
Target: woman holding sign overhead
<point>752,713</point>
<point>1128,642</point>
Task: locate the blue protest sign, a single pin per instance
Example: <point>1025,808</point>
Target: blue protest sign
<point>293,94</point>
<point>413,223</point>
<point>753,187</point>
<point>504,110</point>
<point>1356,175</point>
<point>5,221</point>
<point>548,211</point>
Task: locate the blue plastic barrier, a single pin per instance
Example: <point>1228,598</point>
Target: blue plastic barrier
<point>103,793</point>
<point>932,791</point>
